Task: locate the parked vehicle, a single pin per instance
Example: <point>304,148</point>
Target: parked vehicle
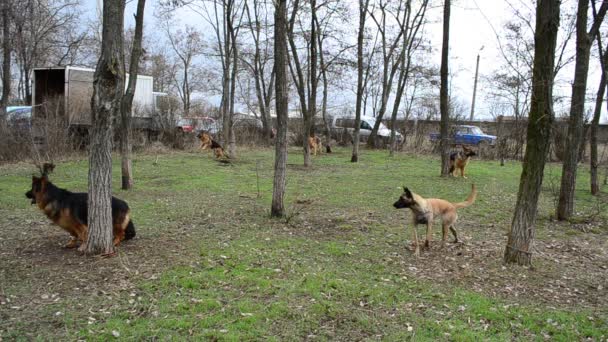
<point>66,92</point>
<point>467,135</point>
<point>19,116</point>
<point>338,125</point>
<point>205,123</point>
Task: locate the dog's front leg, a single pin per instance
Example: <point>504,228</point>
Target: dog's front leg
<point>429,226</point>
<point>417,248</point>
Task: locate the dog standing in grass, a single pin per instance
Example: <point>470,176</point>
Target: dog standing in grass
<point>69,210</point>
<point>208,142</point>
<point>314,144</point>
<point>460,160</point>
<point>424,210</point>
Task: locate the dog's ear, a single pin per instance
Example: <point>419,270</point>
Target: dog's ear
<point>407,192</point>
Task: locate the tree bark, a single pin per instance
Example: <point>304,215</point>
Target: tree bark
<point>6,59</point>
<point>362,13</point>
<point>282,93</point>
<point>108,88</point>
<point>443,93</point>
<point>565,205</point>
<point>593,141</point>
<point>518,249</point>
<point>309,119</point>
<point>231,135</point>
<point>126,165</point>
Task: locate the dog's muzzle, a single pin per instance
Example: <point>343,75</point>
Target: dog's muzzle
<point>399,204</point>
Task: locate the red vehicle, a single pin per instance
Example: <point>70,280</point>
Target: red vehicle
<point>189,125</point>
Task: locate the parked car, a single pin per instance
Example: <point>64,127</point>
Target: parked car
<point>204,123</point>
<point>338,125</point>
<point>467,135</point>
<point>19,116</point>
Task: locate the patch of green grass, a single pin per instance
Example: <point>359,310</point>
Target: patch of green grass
<point>336,270</point>
<point>290,288</point>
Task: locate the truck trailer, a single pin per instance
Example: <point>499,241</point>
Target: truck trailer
<point>65,93</point>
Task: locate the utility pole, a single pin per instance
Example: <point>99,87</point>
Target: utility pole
<point>475,85</point>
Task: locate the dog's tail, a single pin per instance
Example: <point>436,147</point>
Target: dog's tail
<point>470,200</point>
<point>130,231</point>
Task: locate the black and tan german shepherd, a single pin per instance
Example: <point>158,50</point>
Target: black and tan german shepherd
<point>69,210</point>
<point>460,160</point>
<point>207,141</point>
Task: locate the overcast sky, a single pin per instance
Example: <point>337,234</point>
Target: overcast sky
<point>473,24</point>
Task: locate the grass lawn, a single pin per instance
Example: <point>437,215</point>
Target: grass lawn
<point>209,263</point>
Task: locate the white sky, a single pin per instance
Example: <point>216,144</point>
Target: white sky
<point>470,29</point>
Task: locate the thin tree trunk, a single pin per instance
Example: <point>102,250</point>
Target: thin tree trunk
<point>309,119</point>
<point>362,13</point>
<point>126,166</point>
<point>565,206</point>
<point>225,139</point>
<point>6,59</point>
<point>518,249</point>
<point>282,93</point>
<point>231,135</point>
<point>443,93</point>
<point>108,88</point>
<point>593,141</point>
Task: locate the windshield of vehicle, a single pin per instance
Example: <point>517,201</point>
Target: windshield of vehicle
<point>476,130</point>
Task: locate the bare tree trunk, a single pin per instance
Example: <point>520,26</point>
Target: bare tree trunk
<point>126,166</point>
<point>593,141</point>
<point>108,88</point>
<point>231,136</point>
<point>443,93</point>
<point>518,249</point>
<point>282,93</point>
<point>324,101</point>
<point>226,117</point>
<point>565,205</point>
<point>6,59</point>
<point>362,13</point>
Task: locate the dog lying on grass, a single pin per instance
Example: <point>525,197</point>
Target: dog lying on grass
<point>424,210</point>
<point>69,210</point>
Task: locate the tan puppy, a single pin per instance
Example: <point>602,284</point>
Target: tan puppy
<point>426,209</point>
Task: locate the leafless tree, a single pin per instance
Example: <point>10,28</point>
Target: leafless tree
<point>282,93</point>
<point>584,40</point>
<point>390,49</point>
<point>6,59</point>
<point>414,19</point>
<point>597,112</point>
<point>39,29</point>
<point>305,81</point>
<point>519,243</point>
<point>363,5</point>
<point>443,94</point>
<point>108,89</point>
<point>261,60</point>
<point>187,45</point>
<point>126,107</point>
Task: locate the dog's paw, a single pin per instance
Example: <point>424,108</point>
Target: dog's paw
<point>71,244</point>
